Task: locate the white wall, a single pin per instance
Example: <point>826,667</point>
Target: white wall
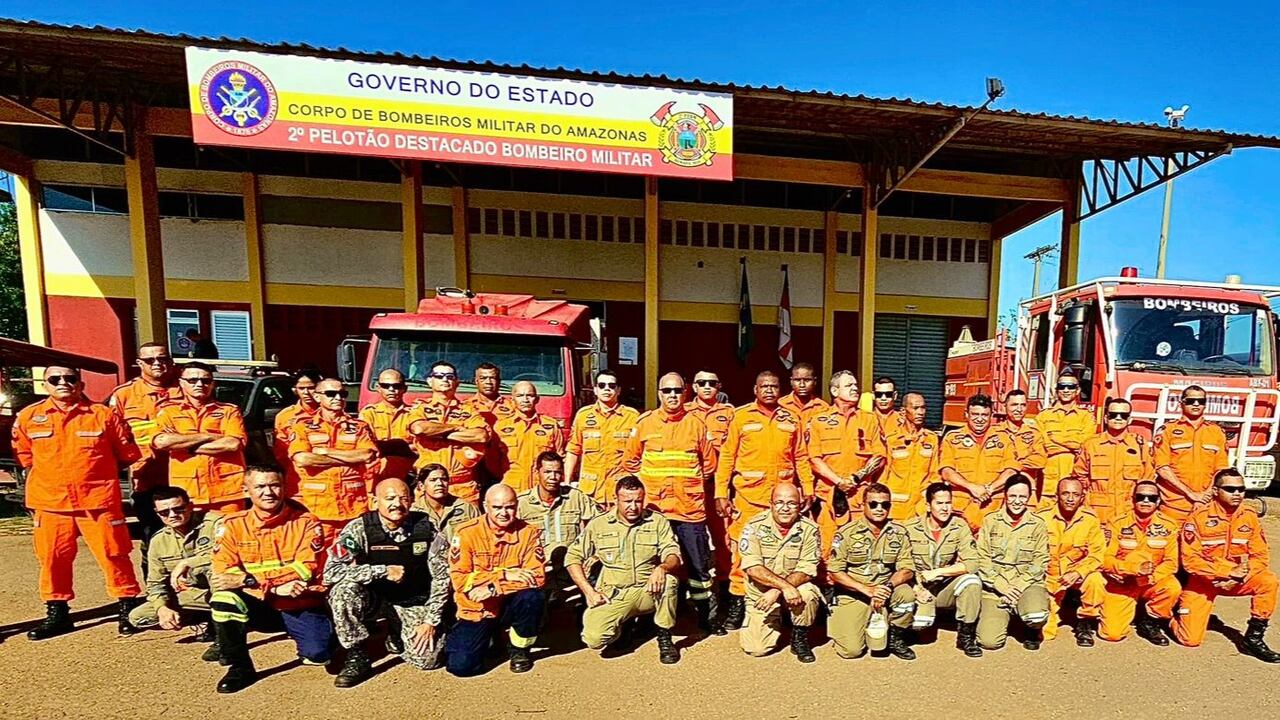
<point>718,280</point>
<point>83,244</point>
<point>294,254</point>
<point>576,259</point>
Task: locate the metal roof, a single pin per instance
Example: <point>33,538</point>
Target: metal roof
<point>154,62</point>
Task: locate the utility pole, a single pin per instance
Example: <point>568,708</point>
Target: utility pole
<point>1175,118</point>
<point>1037,256</point>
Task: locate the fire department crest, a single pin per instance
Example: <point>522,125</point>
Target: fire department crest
<point>238,98</point>
<point>686,138</point>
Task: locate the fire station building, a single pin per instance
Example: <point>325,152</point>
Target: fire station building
<point>888,216</point>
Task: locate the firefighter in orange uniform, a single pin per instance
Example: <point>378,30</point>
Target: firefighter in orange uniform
<point>1141,563</point>
<point>1076,549</point>
<point>334,456</point>
<point>670,452</point>
<point>137,402</point>
<point>304,388</point>
<point>846,452</point>
<point>716,415</point>
<point>804,399</point>
<point>205,441</point>
<point>913,459</point>
<point>1112,462</point>
<point>388,420</point>
<point>72,451</point>
<point>976,460</point>
<point>447,433</point>
<point>1066,427</point>
<point>521,437</point>
<point>765,447</point>
<point>1188,452</point>
<point>598,441</point>
<point>490,404</point>
<point>1225,553</point>
<point>496,567</point>
<point>884,399</point>
<point>1028,438</point>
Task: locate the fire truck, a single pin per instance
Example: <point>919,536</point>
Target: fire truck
<point>1143,340</point>
<point>551,343</point>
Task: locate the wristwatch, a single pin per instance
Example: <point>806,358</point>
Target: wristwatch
<point>250,581</point>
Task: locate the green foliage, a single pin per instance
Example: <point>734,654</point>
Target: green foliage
<point>13,313</point>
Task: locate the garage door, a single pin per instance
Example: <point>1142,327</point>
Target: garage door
<point>913,351</point>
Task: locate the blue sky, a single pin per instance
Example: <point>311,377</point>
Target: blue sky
<point>1116,60</point>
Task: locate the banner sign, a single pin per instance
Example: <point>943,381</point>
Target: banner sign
<point>290,102</point>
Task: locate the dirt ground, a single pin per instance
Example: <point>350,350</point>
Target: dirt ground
<point>94,673</point>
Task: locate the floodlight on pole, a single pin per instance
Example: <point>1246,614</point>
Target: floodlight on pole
<point>1175,118</point>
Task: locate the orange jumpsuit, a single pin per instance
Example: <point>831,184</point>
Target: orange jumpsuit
<point>1028,446</point>
<point>804,411</point>
<point>284,423</point>
<point>73,459</point>
<point>460,459</point>
<point>1130,543</point>
<point>979,459</point>
<point>913,459</point>
<point>846,440</point>
<point>214,482</point>
<point>1214,541</point>
<point>1195,451</point>
<point>716,417</point>
<point>480,552</point>
<point>519,441</point>
<point>388,423</point>
<point>337,493</point>
<point>673,457</point>
<point>1062,427</point>
<point>599,439</point>
<point>137,402</point>
<point>274,549</point>
<point>892,423</point>
<point>1109,465</point>
<point>765,446</point>
<point>491,410</point>
<point>1074,545</point>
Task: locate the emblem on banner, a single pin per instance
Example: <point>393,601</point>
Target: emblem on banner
<point>686,138</point>
<point>238,98</point>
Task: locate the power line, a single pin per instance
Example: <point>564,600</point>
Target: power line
<point>1038,256</point>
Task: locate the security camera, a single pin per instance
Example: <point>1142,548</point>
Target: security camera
<point>1175,116</point>
<point>995,88</point>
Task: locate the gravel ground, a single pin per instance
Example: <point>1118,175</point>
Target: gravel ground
<point>94,673</point>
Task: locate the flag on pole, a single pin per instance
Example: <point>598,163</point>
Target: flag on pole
<point>746,335</point>
<point>784,323</point>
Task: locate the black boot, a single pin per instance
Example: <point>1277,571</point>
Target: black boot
<point>898,644</point>
<point>207,634</point>
<point>1032,640</point>
<point>800,644</point>
<point>667,652</point>
<point>233,641</point>
<point>238,677</point>
<point>355,670</point>
<point>1152,630</point>
<point>521,660</point>
<point>1255,644</point>
<point>57,621</point>
<point>733,616</point>
<point>967,639</point>
<point>703,609</point>
<point>1084,631</point>
<point>123,607</point>
<point>213,653</point>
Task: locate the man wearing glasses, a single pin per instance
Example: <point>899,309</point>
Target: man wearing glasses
<point>334,456</point>
<point>670,452</point>
<point>804,400</point>
<point>72,451</point>
<point>871,568</point>
<point>1140,564</point>
<point>598,441</point>
<point>1225,553</point>
<point>178,568</point>
<point>388,420</point>
<point>446,432</point>
<point>884,399</point>
<point>138,401</point>
<point>1112,462</point>
<point>1076,547</point>
<point>1066,427</point>
<point>716,415</point>
<point>205,440</point>
<point>304,388</point>
<point>1188,452</point>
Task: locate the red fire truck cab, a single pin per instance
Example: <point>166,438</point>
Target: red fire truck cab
<point>544,341</point>
<point>1143,340</point>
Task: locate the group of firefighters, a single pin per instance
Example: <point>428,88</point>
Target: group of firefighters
<point>461,520</point>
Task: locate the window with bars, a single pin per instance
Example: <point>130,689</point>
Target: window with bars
<point>928,248</point>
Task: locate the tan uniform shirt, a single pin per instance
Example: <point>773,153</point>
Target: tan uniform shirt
<point>764,544</point>
<point>627,553</point>
<point>867,557</point>
<point>1012,556</point>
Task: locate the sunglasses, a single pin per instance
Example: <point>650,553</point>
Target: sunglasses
<point>156,360</point>
<point>334,393</point>
<point>879,504</point>
<point>607,385</point>
<point>172,511</point>
<point>786,504</point>
<point>1193,401</point>
<point>670,391</point>
<point>1148,498</point>
<point>1068,386</point>
<point>706,383</point>
<point>198,381</point>
<point>62,379</point>
<point>445,376</point>
<point>883,394</point>
<point>1117,416</point>
<point>1232,489</point>
<point>391,386</point>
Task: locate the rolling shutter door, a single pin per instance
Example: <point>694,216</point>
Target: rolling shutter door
<point>231,334</point>
<point>913,351</point>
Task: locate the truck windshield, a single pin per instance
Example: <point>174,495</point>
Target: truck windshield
<point>538,360</point>
<point>1187,336</point>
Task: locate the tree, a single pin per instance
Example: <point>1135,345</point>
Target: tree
<point>13,311</point>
